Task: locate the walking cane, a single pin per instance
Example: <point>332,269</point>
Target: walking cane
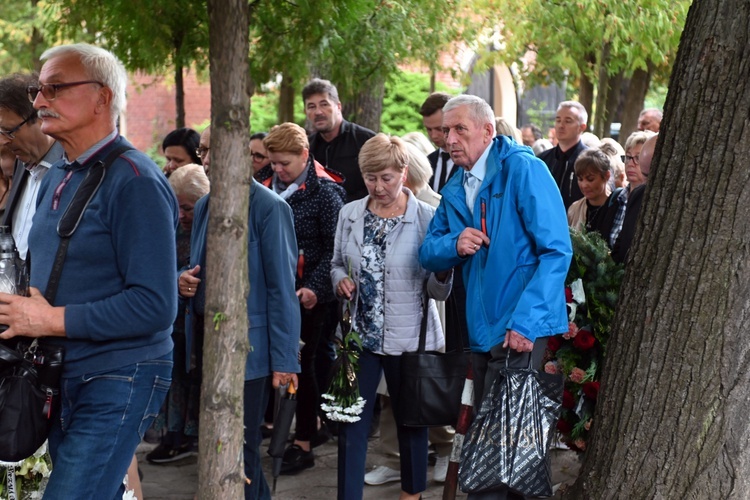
<point>464,420</point>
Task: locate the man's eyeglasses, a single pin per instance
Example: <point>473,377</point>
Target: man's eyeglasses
<point>49,90</point>
<point>636,159</point>
<point>10,134</point>
<point>258,157</point>
<point>202,152</point>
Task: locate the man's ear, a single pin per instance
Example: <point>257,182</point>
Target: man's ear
<point>105,98</point>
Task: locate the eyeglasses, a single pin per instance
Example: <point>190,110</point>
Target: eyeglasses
<point>10,134</point>
<point>202,152</point>
<point>49,90</point>
<point>258,156</point>
<point>636,159</point>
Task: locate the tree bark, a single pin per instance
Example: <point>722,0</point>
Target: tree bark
<point>671,419</point>
<point>179,95</point>
<point>586,91</point>
<point>634,101</point>
<point>220,468</point>
<point>602,92</point>
<point>367,106</point>
<point>613,98</point>
<point>286,100</point>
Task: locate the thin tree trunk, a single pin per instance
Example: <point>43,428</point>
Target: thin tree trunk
<point>602,92</point>
<point>634,99</point>
<point>220,468</point>
<point>179,96</point>
<point>286,100</point>
<point>367,107</point>
<point>613,97</point>
<point>586,90</point>
<point>671,419</point>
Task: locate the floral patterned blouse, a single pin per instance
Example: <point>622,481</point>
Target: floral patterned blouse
<point>371,313</point>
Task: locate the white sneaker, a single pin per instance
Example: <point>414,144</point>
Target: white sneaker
<point>381,475</point>
<point>441,469</point>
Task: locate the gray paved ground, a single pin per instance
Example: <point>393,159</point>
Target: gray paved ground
<point>179,481</point>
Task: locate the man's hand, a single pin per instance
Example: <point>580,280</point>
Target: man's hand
<point>187,283</point>
<point>282,378</point>
<point>469,241</point>
<point>518,342</point>
<point>345,288</point>
<point>307,298</point>
<point>30,316</point>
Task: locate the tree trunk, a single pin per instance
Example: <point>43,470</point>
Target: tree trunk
<point>365,109</point>
<point>602,92</point>
<point>179,96</point>
<point>286,100</point>
<point>586,91</point>
<point>613,98</point>
<point>671,419</point>
<point>220,468</point>
<point>634,99</point>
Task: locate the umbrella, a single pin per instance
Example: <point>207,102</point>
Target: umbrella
<point>282,423</point>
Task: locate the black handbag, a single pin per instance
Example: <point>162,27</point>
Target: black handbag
<point>508,441</point>
<point>431,383</point>
<point>30,369</point>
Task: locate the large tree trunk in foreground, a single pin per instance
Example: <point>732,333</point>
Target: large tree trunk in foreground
<point>220,469</point>
<point>672,417</point>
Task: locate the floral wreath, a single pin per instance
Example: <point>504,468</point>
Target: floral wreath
<point>591,291</point>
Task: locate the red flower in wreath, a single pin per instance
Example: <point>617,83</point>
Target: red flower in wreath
<point>568,295</point>
<point>568,400</point>
<point>584,340</point>
<point>554,343</point>
<point>564,426</point>
<point>591,389</point>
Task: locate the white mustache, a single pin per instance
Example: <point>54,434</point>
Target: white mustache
<point>47,113</point>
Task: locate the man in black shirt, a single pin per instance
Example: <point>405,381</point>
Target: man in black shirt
<point>336,142</point>
<point>570,123</point>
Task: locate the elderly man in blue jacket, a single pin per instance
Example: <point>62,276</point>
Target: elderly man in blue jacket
<point>272,310</point>
<point>504,220</point>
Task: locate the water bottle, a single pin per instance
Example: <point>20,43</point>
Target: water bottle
<point>8,262</point>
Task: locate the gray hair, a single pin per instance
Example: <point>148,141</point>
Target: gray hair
<point>100,65</point>
<point>320,86</point>
<point>191,181</point>
<point>541,145</point>
<point>583,115</point>
<point>419,172</point>
<point>479,111</point>
<point>655,111</point>
<point>638,137</point>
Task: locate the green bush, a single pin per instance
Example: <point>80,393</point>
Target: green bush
<point>404,94</point>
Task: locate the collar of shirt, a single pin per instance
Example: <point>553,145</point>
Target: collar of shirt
<point>83,158</point>
<point>479,170</point>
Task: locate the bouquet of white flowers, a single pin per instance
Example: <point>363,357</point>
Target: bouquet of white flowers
<point>26,479</point>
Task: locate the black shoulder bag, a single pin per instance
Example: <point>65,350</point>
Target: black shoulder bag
<point>431,382</point>
<point>30,369</point>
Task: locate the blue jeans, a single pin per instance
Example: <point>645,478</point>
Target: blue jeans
<point>412,441</point>
<point>256,398</point>
<point>103,416</point>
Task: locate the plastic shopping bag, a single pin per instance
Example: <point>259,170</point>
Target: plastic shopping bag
<point>508,441</point>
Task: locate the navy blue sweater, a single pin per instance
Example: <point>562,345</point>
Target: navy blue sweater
<point>119,280</point>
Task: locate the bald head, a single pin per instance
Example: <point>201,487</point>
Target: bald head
<point>647,153</point>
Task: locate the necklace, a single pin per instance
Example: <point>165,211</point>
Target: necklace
<point>397,210</point>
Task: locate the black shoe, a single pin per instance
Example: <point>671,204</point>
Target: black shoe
<point>164,454</point>
<point>296,460</point>
<point>321,437</point>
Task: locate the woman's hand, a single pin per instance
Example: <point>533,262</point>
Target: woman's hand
<point>187,284</point>
<point>345,288</point>
<point>307,298</point>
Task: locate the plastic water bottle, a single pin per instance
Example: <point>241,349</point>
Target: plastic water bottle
<point>8,262</point>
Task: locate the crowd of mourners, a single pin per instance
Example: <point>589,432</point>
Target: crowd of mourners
<point>468,229</point>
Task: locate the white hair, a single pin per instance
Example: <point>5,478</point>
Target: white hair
<point>479,111</point>
<point>419,172</point>
<point>582,114</point>
<point>419,140</point>
<point>100,65</point>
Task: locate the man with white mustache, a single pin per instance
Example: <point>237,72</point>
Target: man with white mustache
<point>21,132</point>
